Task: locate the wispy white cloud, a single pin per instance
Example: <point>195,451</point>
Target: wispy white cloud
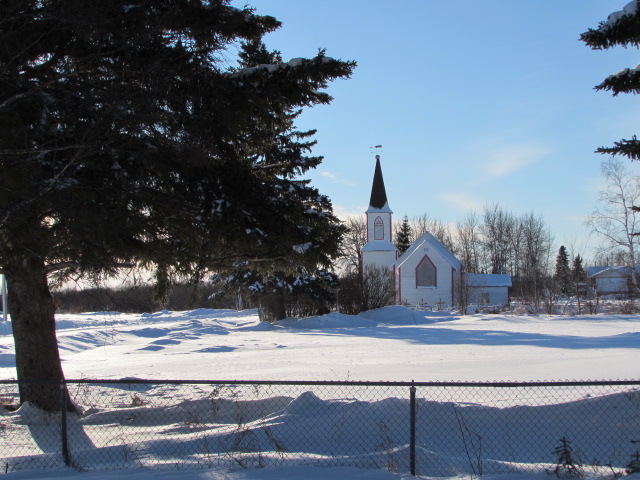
<point>508,159</point>
<point>336,179</point>
<point>344,212</point>
<point>463,201</point>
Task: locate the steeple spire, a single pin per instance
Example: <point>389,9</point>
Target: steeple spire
<point>379,251</point>
<point>378,192</point>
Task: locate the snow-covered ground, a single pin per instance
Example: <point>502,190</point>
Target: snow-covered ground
<point>389,344</point>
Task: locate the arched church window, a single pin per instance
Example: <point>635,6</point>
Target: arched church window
<point>426,274</point>
<point>378,229</point>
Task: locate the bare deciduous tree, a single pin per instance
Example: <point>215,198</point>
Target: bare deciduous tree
<point>497,229</point>
<point>422,223</point>
<point>377,288</point>
<point>467,237</point>
<point>614,219</point>
<point>536,256</point>
<point>352,242</point>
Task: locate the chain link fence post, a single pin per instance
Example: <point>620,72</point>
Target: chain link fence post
<point>412,430</point>
<point>63,423</point>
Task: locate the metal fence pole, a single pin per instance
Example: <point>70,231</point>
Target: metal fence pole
<point>3,291</point>
<point>63,424</point>
<point>412,430</point>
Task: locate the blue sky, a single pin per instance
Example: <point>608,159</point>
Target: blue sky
<point>475,102</point>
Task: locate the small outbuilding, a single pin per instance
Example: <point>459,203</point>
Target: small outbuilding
<point>487,289</point>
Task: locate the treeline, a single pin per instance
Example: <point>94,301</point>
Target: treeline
<point>137,299</point>
<point>350,296</point>
<point>494,241</point>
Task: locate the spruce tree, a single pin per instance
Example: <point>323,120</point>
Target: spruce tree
<point>128,139</point>
<point>622,28</point>
<point>578,273</point>
<point>563,271</point>
<point>315,289</point>
<point>403,236</point>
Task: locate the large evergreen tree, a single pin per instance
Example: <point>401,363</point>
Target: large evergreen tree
<point>621,28</point>
<point>127,139</point>
<point>563,270</point>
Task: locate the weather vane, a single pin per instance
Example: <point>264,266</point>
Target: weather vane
<point>376,149</point>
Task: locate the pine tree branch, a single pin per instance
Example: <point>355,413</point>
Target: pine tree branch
<point>44,151</point>
<point>621,28</point>
<point>626,148</point>
<point>625,81</point>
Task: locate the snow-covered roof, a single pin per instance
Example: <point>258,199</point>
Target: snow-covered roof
<point>384,209</point>
<point>488,280</point>
<point>379,246</point>
<point>434,243</point>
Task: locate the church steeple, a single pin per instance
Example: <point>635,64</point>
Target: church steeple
<point>379,251</point>
<point>378,192</point>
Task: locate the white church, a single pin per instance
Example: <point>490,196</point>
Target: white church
<point>427,274</point>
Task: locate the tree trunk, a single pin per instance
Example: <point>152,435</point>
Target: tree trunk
<point>278,305</point>
<point>36,346</point>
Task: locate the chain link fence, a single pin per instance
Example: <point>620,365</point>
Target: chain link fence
<point>431,429</point>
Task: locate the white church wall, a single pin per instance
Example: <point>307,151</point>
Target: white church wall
<point>381,258</point>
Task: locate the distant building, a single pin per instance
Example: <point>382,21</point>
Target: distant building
<point>488,289</point>
<point>611,280</point>
<point>427,273</point>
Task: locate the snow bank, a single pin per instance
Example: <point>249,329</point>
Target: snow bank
<point>399,315</point>
<point>330,320</point>
<point>391,315</point>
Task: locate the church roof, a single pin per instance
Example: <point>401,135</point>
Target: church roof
<point>378,192</point>
<point>379,246</point>
<point>430,240</point>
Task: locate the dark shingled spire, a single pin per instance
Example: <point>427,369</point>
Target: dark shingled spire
<point>378,193</point>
